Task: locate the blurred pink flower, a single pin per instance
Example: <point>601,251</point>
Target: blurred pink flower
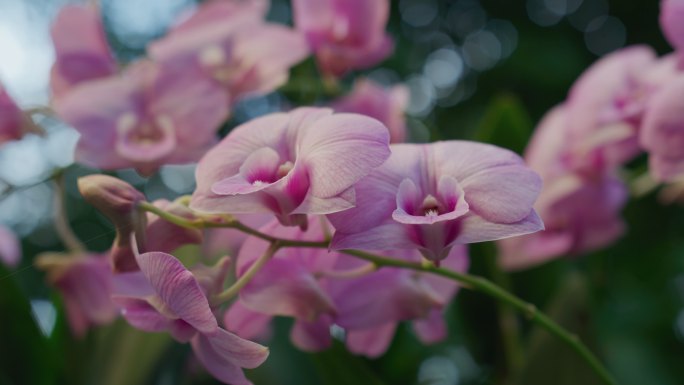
<point>144,119</point>
<point>10,248</point>
<point>345,34</point>
<point>85,282</point>
<point>11,118</point>
<point>384,104</point>
<point>287,284</point>
<point>290,164</point>
<point>230,43</point>
<point>605,107</point>
<point>671,16</point>
<point>81,49</point>
<point>434,196</point>
<point>314,287</point>
<point>246,322</point>
<point>219,11</point>
<point>662,134</point>
<point>165,296</point>
<point>370,307</point>
<point>572,227</point>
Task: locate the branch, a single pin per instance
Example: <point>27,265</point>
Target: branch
<point>470,281</point>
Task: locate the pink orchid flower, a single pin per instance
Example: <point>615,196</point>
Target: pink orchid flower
<point>572,227</point>
<point>431,197</point>
<point>11,118</point>
<point>81,49</point>
<point>165,296</point>
<point>230,43</point>
<point>345,34</point>
<point>291,164</point>
<point>662,134</point>
<point>10,248</point>
<point>85,282</point>
<point>384,104</point>
<point>671,15</point>
<point>143,119</point>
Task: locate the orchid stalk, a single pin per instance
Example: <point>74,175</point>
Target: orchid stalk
<point>469,281</point>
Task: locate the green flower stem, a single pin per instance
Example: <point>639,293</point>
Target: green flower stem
<point>469,281</point>
<point>487,287</point>
<point>235,288</point>
<point>509,327</point>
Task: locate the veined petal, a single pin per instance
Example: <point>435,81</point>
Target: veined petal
<point>319,206</point>
<point>340,149</point>
<point>141,315</point>
<point>221,368</point>
<point>477,229</point>
<point>178,289</point>
<point>503,194</point>
<point>231,348</point>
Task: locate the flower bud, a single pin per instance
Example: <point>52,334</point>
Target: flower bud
<point>118,201</point>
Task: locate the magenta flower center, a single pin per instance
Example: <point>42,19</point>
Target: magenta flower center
<point>431,207</point>
<point>420,207</point>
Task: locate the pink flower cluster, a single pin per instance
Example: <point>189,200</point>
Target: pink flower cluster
<point>326,180</point>
<point>167,108</point>
<point>628,102</point>
<point>299,170</point>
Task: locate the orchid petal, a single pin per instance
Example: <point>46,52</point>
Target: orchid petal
<point>341,149</point>
<point>178,289</point>
<point>312,336</point>
<point>371,342</point>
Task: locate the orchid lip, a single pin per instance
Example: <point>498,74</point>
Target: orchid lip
<point>447,204</point>
<point>145,141</point>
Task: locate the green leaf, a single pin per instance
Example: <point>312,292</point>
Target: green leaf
<point>25,354</point>
<point>505,124</point>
